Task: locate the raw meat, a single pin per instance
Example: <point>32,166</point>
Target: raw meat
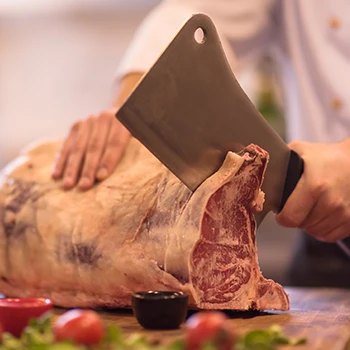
<point>141,229</point>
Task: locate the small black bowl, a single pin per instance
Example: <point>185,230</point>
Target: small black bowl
<point>160,310</point>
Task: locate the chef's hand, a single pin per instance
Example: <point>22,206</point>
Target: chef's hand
<point>94,145</point>
<point>320,203</point>
<point>91,151</point>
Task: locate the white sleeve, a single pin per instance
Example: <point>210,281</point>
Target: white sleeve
<point>244,27</point>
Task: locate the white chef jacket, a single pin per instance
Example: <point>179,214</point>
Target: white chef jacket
<point>309,38</point>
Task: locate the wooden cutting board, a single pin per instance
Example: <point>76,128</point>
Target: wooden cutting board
<point>320,315</point>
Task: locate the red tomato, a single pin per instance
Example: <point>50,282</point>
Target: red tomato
<point>1,330</point>
<point>206,326</point>
<point>83,327</point>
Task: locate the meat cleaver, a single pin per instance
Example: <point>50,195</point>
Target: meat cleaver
<point>189,111</point>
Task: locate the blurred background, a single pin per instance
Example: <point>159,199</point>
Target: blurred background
<point>57,65</point>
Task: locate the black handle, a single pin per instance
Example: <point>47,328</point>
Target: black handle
<point>294,172</point>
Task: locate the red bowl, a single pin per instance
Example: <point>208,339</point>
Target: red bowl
<point>15,313</point>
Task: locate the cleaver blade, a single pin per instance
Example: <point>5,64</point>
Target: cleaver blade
<point>189,111</point>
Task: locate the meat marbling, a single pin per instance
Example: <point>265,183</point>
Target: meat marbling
<point>141,229</point>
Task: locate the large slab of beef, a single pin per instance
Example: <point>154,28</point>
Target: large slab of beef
<point>141,229</point>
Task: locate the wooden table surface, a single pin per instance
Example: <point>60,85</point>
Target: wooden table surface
<point>321,315</point>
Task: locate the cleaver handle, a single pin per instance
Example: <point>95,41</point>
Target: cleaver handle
<point>294,172</point>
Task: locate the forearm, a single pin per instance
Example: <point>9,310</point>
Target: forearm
<point>346,144</point>
<point>127,84</point>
